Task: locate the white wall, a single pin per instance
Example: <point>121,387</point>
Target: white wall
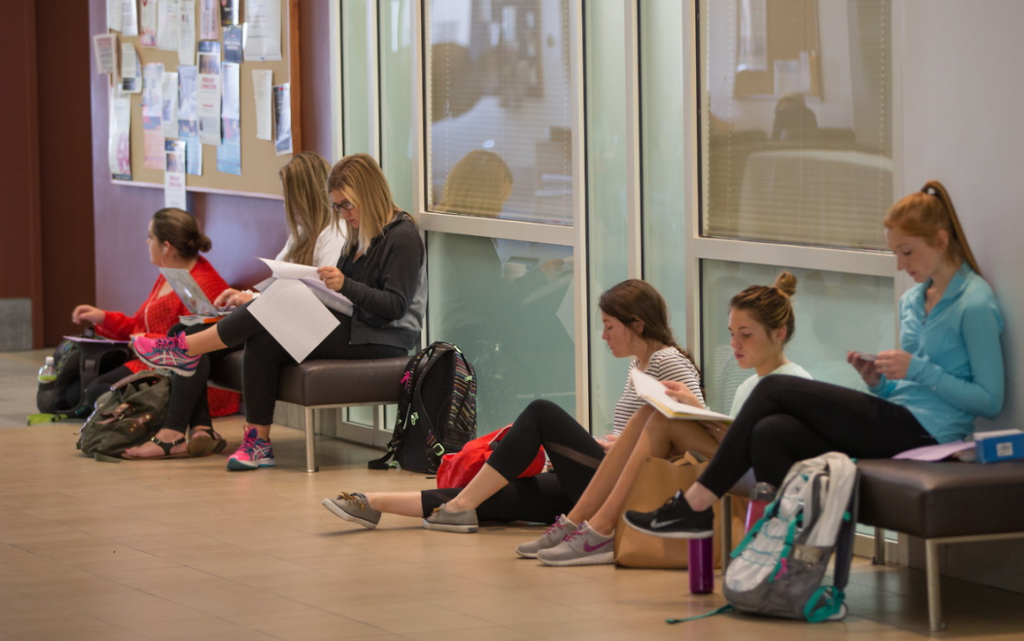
<point>963,123</point>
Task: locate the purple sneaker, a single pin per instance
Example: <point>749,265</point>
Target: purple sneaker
<point>167,353</point>
<point>254,452</point>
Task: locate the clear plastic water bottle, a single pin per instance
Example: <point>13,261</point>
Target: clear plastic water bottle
<point>760,496</point>
<point>48,372</point>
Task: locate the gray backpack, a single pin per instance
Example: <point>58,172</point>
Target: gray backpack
<point>779,567</point>
<point>127,415</point>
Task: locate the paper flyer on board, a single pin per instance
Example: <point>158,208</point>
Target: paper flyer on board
<point>262,30</point>
<point>167,25</point>
<point>283,119</point>
<point>233,44</point>
<point>188,120</point>
<point>148,19</point>
<point>152,114</point>
<point>229,154</point>
<point>115,12</point>
<point>174,175</point>
<point>187,32</point>
<point>169,104</point>
<point>229,12</point>
<point>105,46</point>
<point>208,92</point>
<point>129,19</point>
<point>209,20</point>
<point>261,81</point>
<point>118,143</point>
<point>131,73</point>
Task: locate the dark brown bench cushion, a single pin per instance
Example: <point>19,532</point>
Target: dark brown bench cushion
<point>942,499</point>
<point>325,382</point>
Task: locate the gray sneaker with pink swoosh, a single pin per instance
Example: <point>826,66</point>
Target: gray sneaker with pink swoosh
<point>585,546</point>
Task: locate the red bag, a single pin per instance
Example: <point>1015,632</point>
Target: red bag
<point>458,469</point>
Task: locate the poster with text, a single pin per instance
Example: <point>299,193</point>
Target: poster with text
<point>187,32</point>
<point>115,12</point>
<point>261,82</point>
<point>209,20</point>
<point>229,12</point>
<point>262,30</point>
<point>229,154</point>
<point>283,119</point>
<point>152,115</point>
<point>167,25</point>
<point>208,92</point>
<point>131,73</point>
<point>233,44</point>
<point>119,143</point>
<point>169,107</point>
<point>105,46</point>
<point>188,120</point>
<point>148,18</point>
<point>129,19</point>
<point>174,175</point>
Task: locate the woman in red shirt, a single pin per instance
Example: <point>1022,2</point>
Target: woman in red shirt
<point>174,240</point>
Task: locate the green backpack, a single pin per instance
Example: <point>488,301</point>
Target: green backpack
<point>127,415</point>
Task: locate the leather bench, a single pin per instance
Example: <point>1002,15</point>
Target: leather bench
<point>324,384</point>
<point>941,503</point>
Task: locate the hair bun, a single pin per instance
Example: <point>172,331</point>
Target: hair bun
<point>786,283</point>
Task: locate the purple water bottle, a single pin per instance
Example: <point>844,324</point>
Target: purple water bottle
<point>702,566</point>
<point>760,496</point>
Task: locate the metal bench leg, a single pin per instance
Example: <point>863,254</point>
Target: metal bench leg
<point>879,547</point>
<point>726,532</point>
<point>311,465</point>
<point>931,550</point>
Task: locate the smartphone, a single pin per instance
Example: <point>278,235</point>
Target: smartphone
<point>868,357</point>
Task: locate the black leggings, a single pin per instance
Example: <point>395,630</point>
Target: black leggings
<point>574,454</point>
<point>789,419</point>
<point>264,357</point>
<point>189,405</point>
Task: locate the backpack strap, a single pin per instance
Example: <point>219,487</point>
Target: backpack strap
<point>721,610</point>
<point>407,384</point>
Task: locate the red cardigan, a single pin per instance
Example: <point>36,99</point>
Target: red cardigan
<point>158,314</point>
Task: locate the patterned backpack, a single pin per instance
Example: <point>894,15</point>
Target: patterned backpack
<point>436,410</point>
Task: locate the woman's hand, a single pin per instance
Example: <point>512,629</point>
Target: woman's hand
<point>332,277</point>
<point>865,367</point>
<point>88,313</point>
<point>232,298</point>
<point>682,393</point>
<point>607,442</point>
<point>893,363</point>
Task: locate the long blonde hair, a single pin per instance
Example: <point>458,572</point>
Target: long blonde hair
<point>924,213</point>
<point>307,207</point>
<point>361,177</point>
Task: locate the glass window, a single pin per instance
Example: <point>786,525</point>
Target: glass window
<point>508,305</point>
<point>356,78</point>
<point>798,121</point>
<point>498,82</point>
<point>835,312</point>
<point>397,130</point>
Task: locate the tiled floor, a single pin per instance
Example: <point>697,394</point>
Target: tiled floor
<point>184,550</point>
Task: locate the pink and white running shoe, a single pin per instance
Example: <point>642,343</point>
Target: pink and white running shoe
<point>170,352</point>
<point>254,452</point>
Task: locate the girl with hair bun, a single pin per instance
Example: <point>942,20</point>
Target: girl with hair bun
<point>949,370</point>
<point>174,240</point>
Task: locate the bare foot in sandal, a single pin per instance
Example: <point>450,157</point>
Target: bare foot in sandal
<point>165,444</point>
<point>205,441</point>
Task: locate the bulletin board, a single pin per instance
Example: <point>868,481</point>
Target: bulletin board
<point>260,162</point>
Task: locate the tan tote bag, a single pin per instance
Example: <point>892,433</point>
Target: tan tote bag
<point>657,480</point>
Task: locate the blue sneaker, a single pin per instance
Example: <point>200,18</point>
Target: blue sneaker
<point>254,452</point>
<point>170,352</point>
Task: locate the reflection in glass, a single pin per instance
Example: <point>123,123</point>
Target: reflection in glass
<point>498,80</point>
<point>835,313</point>
<point>508,305</point>
<point>799,141</point>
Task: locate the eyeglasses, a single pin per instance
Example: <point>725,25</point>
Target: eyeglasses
<point>347,205</point>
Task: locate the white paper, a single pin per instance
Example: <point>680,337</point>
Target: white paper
<point>131,74</point>
<point>174,176</point>
<point>308,275</point>
<point>129,19</point>
<point>651,390</point>
<point>281,269</point>
<point>293,316</point>
<point>208,93</point>
<point>115,13</point>
<point>169,106</point>
<point>229,101</point>
<point>105,46</point>
<point>261,81</point>
<point>262,30</point>
<point>209,20</point>
<point>152,90</point>
<point>119,144</point>
<point>148,19</point>
<point>935,452</point>
<point>167,25</point>
<point>187,33</point>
